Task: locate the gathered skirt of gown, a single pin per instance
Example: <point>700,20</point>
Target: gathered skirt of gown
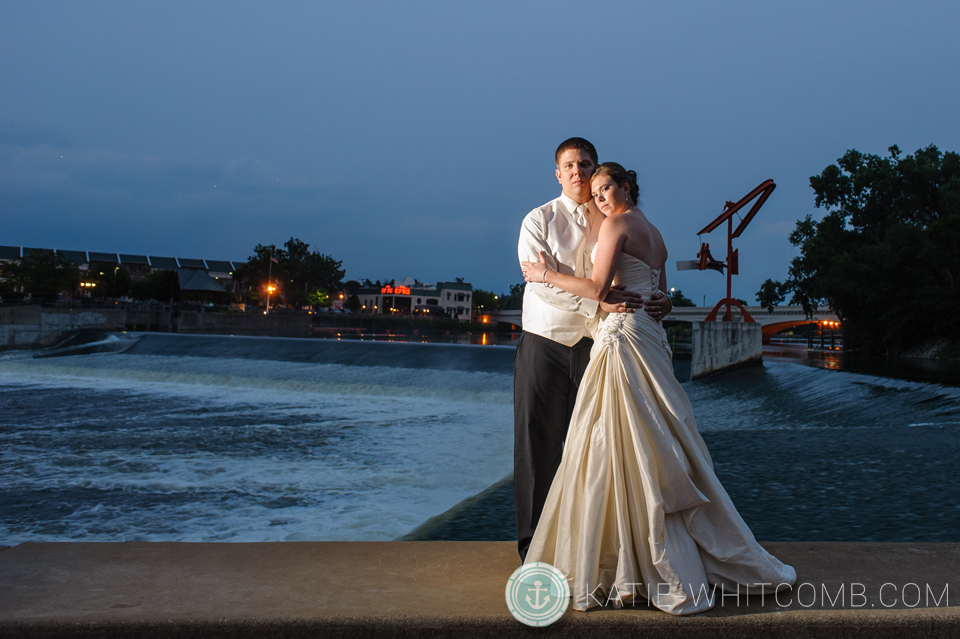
<point>635,509</point>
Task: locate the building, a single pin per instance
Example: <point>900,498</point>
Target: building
<point>457,299</point>
<point>139,266</point>
<point>410,297</point>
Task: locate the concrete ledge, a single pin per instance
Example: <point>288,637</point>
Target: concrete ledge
<point>23,327</point>
<point>720,346</point>
<point>431,589</point>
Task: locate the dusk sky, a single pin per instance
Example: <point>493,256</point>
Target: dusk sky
<point>411,138</point>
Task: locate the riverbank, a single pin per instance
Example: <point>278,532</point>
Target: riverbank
<point>437,589</point>
<point>35,326</point>
<point>944,348</point>
<point>925,369</point>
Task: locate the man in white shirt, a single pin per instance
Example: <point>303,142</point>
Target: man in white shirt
<point>554,348</point>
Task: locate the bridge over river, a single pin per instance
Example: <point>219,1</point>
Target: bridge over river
<point>782,317</point>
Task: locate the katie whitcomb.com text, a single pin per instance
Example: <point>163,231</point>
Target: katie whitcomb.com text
<point>806,595</point>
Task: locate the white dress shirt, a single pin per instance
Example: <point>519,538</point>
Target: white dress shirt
<point>559,229</point>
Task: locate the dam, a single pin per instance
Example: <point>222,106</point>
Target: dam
<point>339,449</point>
<point>167,437</point>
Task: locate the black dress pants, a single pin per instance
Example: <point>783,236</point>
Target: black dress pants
<point>547,375</point>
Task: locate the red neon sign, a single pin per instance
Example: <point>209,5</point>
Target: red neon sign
<point>395,290</point>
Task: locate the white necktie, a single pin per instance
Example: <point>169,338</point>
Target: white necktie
<point>581,218</point>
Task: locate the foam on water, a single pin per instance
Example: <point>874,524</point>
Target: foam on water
<point>806,455</point>
<point>112,447</point>
<point>781,395</point>
<point>182,373</point>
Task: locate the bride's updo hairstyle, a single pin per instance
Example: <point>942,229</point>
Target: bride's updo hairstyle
<point>620,176</point>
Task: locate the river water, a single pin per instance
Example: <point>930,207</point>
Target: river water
<point>195,438</point>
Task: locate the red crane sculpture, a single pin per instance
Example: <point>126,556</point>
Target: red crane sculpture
<point>706,261</point>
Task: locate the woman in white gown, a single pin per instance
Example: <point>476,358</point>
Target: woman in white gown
<point>635,509</point>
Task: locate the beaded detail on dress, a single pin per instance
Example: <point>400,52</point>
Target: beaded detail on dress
<point>611,328</point>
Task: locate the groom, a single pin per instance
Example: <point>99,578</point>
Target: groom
<point>554,348</point>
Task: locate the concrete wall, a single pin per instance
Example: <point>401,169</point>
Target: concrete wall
<point>721,345</point>
<point>36,327</point>
<point>32,326</point>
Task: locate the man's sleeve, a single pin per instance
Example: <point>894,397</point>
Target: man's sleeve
<point>531,243</point>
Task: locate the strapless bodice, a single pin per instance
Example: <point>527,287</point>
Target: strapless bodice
<point>635,274</point>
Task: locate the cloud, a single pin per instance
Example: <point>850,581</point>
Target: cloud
<point>35,161</point>
<point>27,136</point>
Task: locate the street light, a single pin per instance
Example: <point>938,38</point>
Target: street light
<point>270,289</point>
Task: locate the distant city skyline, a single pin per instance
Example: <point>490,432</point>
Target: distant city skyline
<point>83,256</point>
<point>412,139</point>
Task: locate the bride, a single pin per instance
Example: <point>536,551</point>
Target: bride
<point>635,509</point>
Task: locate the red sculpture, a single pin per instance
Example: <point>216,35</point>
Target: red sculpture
<point>706,261</point>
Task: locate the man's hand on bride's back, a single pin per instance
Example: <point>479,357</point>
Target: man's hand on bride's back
<point>658,306</point>
<point>619,300</point>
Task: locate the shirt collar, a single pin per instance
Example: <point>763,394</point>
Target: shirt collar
<point>570,204</point>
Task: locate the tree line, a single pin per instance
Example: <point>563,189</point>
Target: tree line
<point>885,255</point>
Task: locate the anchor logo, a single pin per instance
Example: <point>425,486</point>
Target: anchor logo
<point>537,589</point>
<point>537,594</point>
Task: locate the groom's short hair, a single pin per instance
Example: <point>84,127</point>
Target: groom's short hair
<point>581,145</point>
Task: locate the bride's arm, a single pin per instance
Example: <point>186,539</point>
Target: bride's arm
<point>609,246</point>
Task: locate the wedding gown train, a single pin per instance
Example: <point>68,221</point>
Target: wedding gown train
<point>635,509</point>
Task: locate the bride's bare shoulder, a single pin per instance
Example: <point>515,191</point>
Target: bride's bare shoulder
<point>612,225</point>
<point>640,226</point>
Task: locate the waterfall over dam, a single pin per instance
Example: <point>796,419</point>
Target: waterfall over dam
<point>155,436</point>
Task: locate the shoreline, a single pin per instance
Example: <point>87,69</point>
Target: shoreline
<point>939,371</point>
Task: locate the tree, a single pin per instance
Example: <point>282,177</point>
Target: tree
<point>42,274</point>
<point>161,285</point>
<point>677,298</point>
<point>485,300</point>
<point>771,294</point>
<point>513,301</point>
<point>296,273</point>
<point>111,282</point>
<point>353,303</point>
<point>319,298</point>
<point>308,271</point>
<point>884,256</point>
<point>259,269</point>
